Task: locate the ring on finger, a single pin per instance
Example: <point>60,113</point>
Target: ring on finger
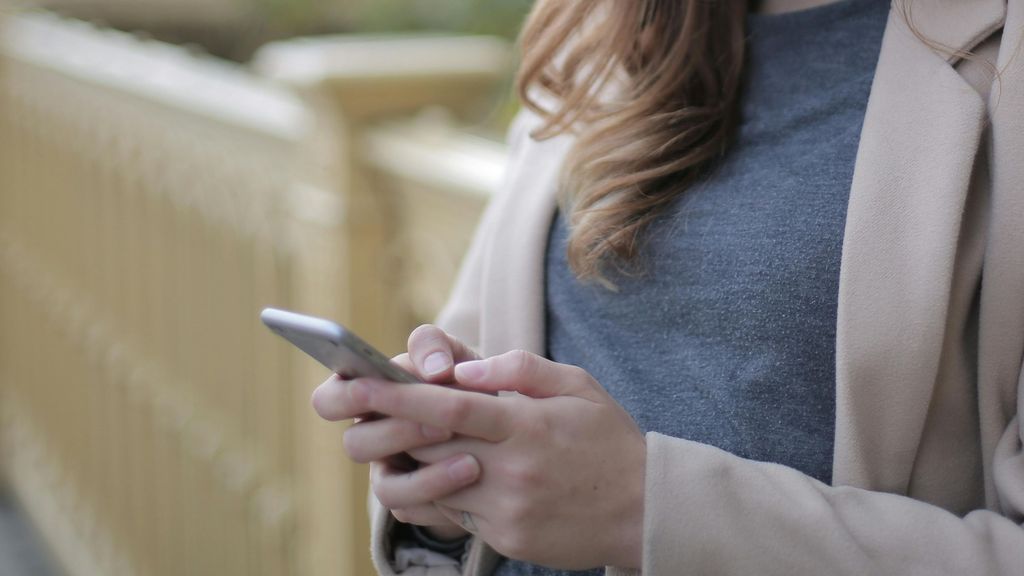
<point>467,522</point>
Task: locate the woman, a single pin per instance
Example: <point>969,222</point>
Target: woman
<point>798,375</point>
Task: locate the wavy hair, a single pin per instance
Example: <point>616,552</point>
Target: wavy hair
<point>650,90</point>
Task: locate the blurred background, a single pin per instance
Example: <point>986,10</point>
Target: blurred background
<point>167,169</point>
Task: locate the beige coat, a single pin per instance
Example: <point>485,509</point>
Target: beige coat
<point>928,464</point>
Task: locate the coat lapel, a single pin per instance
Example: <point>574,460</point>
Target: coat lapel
<point>514,298</point>
<point>918,145</point>
<point>1001,333</point>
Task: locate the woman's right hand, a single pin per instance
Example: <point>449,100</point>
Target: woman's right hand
<point>385,442</point>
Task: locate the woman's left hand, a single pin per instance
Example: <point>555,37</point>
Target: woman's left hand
<point>562,481</point>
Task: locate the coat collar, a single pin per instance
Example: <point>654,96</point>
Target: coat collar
<point>514,298</point>
<point>952,27</point>
<point>920,138</point>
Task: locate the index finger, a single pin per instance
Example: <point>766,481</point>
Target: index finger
<point>332,401</point>
<point>468,413</point>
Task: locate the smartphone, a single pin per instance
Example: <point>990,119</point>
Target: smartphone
<point>334,346</point>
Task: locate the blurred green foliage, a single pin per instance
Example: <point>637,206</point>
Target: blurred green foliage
<point>494,17</point>
<point>299,15</point>
<point>497,17</point>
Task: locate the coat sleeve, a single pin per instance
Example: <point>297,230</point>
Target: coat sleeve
<point>461,318</point>
<point>710,512</point>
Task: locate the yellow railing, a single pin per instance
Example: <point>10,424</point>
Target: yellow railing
<point>150,204</point>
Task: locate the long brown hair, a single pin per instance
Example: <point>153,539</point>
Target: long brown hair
<point>650,89</point>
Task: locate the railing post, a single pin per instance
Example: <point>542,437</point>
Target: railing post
<point>350,84</point>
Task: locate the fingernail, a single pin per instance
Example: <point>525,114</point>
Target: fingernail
<point>436,363</point>
<point>471,371</point>
<point>464,469</point>
<point>433,433</point>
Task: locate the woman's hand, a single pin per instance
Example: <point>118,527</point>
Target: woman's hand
<point>383,442</point>
<point>562,481</point>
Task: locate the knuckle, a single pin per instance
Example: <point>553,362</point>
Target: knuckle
<point>537,426</point>
<point>424,334</point>
<point>577,373</point>
<point>523,475</point>
<point>423,435</point>
<point>521,362</point>
<point>456,412</point>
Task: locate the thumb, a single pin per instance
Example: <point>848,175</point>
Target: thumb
<point>433,353</point>
<point>526,373</point>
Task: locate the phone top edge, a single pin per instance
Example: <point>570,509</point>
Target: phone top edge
<point>309,333</point>
<point>277,319</point>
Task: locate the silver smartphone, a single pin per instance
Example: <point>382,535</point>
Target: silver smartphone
<point>334,346</point>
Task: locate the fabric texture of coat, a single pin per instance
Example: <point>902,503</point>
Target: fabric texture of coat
<point>928,469</point>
